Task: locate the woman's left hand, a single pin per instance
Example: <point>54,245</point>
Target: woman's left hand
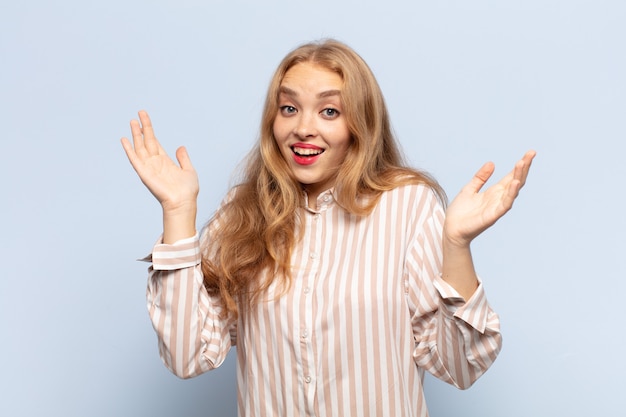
<point>472,212</point>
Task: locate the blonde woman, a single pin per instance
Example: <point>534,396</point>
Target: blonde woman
<point>333,267</point>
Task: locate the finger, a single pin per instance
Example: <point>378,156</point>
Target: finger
<point>528,160</point>
<point>130,153</point>
<point>480,178</point>
<point>523,167</point>
<point>149,140</point>
<point>510,195</point>
<point>519,171</point>
<point>135,130</point>
<point>183,158</point>
<point>529,156</point>
<point>128,148</point>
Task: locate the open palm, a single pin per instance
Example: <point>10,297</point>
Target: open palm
<point>173,185</point>
<point>472,212</point>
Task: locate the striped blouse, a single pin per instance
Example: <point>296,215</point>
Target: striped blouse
<point>367,313</point>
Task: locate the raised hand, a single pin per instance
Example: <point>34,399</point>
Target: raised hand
<point>472,212</point>
<point>175,186</point>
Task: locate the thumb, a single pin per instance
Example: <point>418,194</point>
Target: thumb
<point>481,177</point>
<point>183,158</point>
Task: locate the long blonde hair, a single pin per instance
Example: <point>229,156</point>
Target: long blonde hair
<point>255,230</point>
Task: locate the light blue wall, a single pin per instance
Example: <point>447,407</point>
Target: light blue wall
<point>466,82</point>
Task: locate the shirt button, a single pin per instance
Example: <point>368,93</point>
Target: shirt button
<point>305,334</point>
<point>313,255</point>
<point>306,290</point>
<point>327,198</point>
<point>307,379</point>
<point>317,217</point>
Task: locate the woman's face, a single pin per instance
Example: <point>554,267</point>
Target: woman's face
<point>310,128</point>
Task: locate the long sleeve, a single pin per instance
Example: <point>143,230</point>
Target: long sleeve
<point>192,336</point>
<point>365,316</point>
<point>455,340</point>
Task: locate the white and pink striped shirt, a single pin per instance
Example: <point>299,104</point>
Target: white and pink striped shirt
<point>365,316</point>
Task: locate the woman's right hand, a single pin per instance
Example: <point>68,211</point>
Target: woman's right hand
<point>175,186</point>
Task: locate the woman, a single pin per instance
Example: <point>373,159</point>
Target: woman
<point>332,266</point>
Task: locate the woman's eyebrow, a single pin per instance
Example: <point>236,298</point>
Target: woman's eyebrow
<point>288,91</point>
<point>329,93</point>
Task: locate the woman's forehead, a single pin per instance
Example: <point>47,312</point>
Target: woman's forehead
<point>310,77</point>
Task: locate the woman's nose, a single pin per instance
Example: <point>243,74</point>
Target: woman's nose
<point>306,126</point>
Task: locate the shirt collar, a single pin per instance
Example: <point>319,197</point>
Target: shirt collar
<point>324,200</point>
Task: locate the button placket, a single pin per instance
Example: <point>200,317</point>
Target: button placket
<point>307,318</point>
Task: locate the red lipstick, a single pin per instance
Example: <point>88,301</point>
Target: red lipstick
<point>306,153</point>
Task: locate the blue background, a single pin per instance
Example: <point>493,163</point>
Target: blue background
<point>465,82</point>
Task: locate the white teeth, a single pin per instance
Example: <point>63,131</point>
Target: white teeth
<point>307,151</point>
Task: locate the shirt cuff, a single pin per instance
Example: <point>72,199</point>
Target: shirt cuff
<point>474,311</point>
<point>184,253</point>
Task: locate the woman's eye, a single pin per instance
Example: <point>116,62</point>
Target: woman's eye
<point>287,109</point>
<point>330,113</point>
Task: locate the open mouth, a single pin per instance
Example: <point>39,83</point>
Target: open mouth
<point>306,155</point>
<point>306,152</point>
